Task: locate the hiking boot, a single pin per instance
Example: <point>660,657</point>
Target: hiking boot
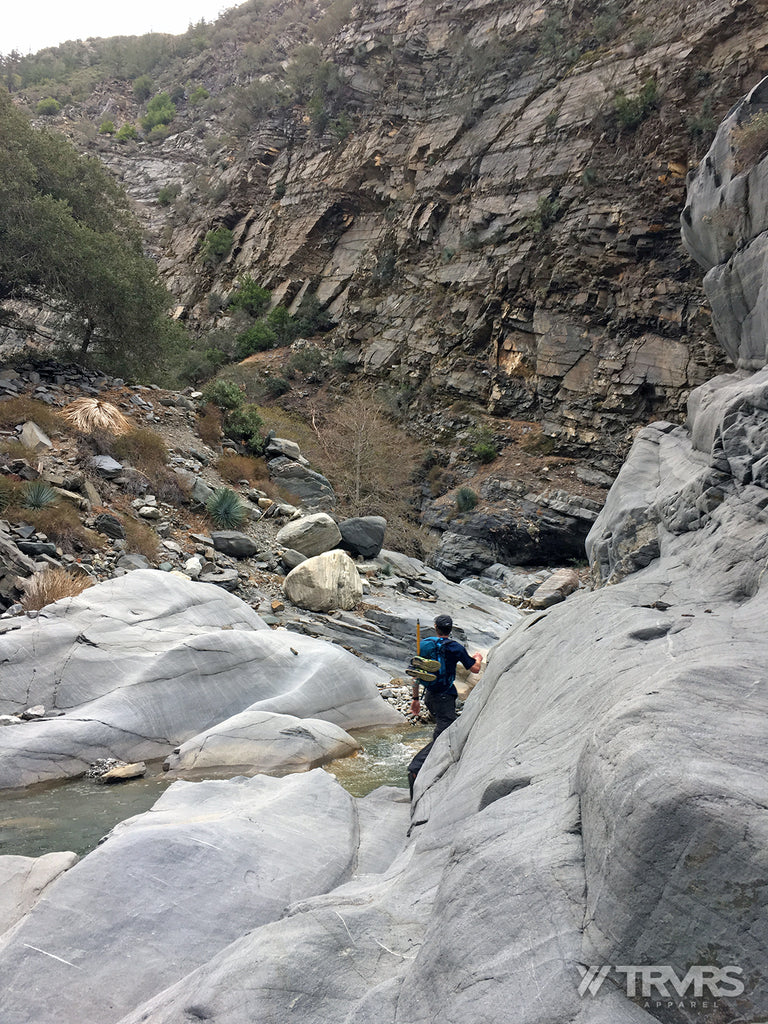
<point>419,673</point>
<point>426,664</point>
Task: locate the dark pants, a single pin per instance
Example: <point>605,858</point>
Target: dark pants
<point>442,707</point>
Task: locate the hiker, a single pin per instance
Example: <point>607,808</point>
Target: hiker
<point>435,669</point>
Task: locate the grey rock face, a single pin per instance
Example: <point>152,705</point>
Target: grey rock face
<point>202,884</point>
<point>363,535</point>
<point>140,664</point>
<point>723,227</point>
<point>23,880</point>
<point>311,535</point>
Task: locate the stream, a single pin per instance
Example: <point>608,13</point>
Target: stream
<point>75,815</point>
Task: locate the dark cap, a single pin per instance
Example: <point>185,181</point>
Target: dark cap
<point>444,623</point>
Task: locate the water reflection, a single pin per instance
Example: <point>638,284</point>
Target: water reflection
<point>75,815</point>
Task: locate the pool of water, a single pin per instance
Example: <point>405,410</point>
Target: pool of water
<point>75,815</point>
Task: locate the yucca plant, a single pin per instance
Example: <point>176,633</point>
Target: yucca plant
<point>38,494</point>
<point>89,414</point>
<point>226,509</point>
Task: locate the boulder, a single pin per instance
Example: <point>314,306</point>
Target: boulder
<point>311,535</point>
<point>303,486</point>
<point>363,535</point>
<point>276,447</point>
<point>34,438</point>
<point>105,466</point>
<point>560,584</point>
<point>261,741</point>
<point>324,583</point>
<point>234,543</point>
<point>109,525</point>
<point>135,666</point>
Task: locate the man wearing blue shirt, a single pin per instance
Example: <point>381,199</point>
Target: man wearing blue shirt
<point>440,695</point>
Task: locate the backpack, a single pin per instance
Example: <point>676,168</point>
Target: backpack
<point>434,647</point>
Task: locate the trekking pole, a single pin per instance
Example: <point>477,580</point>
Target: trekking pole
<point>418,637</point>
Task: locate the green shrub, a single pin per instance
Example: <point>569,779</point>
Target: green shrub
<point>216,245</point>
<point>168,193</point>
<point>257,338</point>
<point>142,88</point>
<point>250,297</point>
<point>276,386</point>
<point>107,128</point>
<point>127,133</point>
<point>223,393</point>
<point>306,360</point>
<point>283,325</point>
<point>160,110</point>
<point>279,191</point>
<point>245,424</point>
<point>631,111</point>
<point>548,209</point>
<point>485,451</point>
<point>466,499</point>
<point>197,95</point>
<point>47,107</point>
<point>38,494</point>
<point>226,509</point>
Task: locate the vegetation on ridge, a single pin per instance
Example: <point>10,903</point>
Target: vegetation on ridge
<point>67,237</point>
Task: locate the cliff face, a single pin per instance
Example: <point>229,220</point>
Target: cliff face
<point>491,214</point>
<point>501,220</point>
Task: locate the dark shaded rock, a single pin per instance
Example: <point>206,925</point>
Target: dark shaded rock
<point>109,525</point>
<point>363,535</point>
<point>37,547</point>
<point>234,543</point>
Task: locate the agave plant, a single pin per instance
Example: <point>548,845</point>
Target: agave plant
<point>226,509</point>
<point>38,494</point>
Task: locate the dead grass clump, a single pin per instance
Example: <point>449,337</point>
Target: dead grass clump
<point>89,414</point>
<point>61,524</point>
<point>749,141</point>
<point>141,539</point>
<point>11,493</point>
<point>52,585</point>
<point>143,448</point>
<point>210,424</point>
<point>18,410</point>
<point>233,467</point>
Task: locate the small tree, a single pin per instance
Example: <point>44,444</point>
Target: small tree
<point>216,245</point>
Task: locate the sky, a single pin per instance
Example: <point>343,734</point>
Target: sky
<point>30,25</point>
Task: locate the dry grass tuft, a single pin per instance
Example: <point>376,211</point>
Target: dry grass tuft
<point>89,414</point>
<point>140,538</point>
<point>233,468</point>
<point>143,448</point>
<point>61,524</point>
<point>18,410</point>
<point>209,424</point>
<point>52,585</point>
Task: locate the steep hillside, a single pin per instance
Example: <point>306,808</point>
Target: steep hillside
<point>484,197</point>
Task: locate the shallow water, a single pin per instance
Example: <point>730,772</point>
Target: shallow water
<point>75,815</point>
